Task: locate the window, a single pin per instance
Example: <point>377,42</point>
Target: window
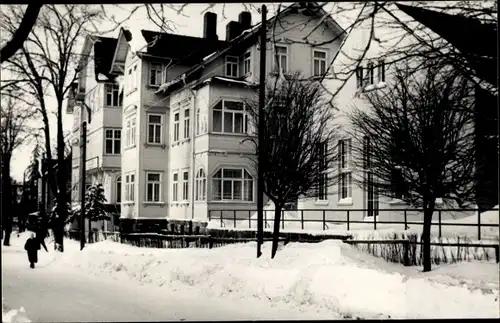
<point>185,185</point>
<point>322,193</point>
<point>129,187</point>
<point>232,66</point>
<point>281,58</point>
<point>246,63</point>
<point>381,71</point>
<point>134,78</point>
<point>155,122</point>
<point>129,80</point>
<point>186,123</point>
<point>155,73</point>
<point>359,77</point>
<point>319,62</point>
<point>153,187</point>
<point>175,186</point>
<point>118,189</point>
<point>176,126</point>
<point>232,184</point>
<point>230,117</point>
<point>113,141</point>
<point>372,200</point>
<point>113,97</point>
<point>397,183</point>
<point>344,168</point>
<point>371,73</point>
<point>130,131</point>
<point>201,184</point>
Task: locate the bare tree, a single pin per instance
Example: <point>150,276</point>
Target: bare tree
<point>299,142</point>
<point>13,133</point>
<point>47,66</point>
<point>417,141</point>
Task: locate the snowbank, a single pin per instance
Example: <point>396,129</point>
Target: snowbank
<point>14,315</point>
<point>328,276</point>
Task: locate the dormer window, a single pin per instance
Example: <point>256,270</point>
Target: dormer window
<point>281,60</point>
<point>246,63</point>
<point>232,66</point>
<point>155,74</point>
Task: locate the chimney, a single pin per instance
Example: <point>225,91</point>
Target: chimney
<point>245,19</point>
<point>210,26</point>
<point>233,30</point>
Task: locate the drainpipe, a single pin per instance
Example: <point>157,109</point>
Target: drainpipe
<point>193,153</point>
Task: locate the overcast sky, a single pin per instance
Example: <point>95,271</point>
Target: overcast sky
<point>188,22</point>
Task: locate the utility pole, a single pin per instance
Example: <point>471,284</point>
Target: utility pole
<point>260,159</point>
<point>83,157</point>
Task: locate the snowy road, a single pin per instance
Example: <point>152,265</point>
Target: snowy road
<point>52,294</point>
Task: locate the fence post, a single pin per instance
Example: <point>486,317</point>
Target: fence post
<point>406,247</point>
<point>324,220</point>
<point>478,225</point>
<point>497,253</point>
<point>406,220</point>
<point>283,219</point>
<point>209,212</point>
<point>221,219</point>
<point>249,220</point>
<point>439,219</point>
<point>374,222</point>
<point>302,218</point>
<point>210,242</point>
<point>265,218</point>
<point>234,218</point>
<point>348,219</point>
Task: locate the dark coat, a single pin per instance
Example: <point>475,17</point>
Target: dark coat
<point>32,246</point>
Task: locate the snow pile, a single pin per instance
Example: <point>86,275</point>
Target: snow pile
<point>329,276</point>
<point>14,315</point>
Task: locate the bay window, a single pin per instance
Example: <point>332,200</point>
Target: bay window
<point>230,117</point>
<point>232,184</point>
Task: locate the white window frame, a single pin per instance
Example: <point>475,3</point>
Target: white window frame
<point>323,177</point>
<point>234,66</point>
<point>187,127</point>
<point>201,185</point>
<point>158,76</point>
<point>185,185</point>
<point>175,186</point>
<point>112,89</point>
<point>156,128</point>
<point>320,61</point>
<point>245,183</point>
<point>247,62</point>
<point>371,73</point>
<point>345,178</point>
<point>130,187</point>
<point>130,129</point>
<point>115,139</point>
<point>223,110</point>
<point>154,184</point>
<point>381,71</point>
<point>278,57</point>
<point>176,127</point>
<point>360,77</point>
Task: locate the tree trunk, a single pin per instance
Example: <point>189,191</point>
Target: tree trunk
<point>61,196</point>
<point>426,236</point>
<point>6,198</point>
<point>276,231</point>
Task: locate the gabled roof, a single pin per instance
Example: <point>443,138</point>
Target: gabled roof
<point>250,35</point>
<point>190,50</point>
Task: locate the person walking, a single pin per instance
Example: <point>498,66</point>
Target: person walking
<point>32,246</point>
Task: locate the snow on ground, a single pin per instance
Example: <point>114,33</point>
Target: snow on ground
<point>328,276</point>
<point>13,315</point>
